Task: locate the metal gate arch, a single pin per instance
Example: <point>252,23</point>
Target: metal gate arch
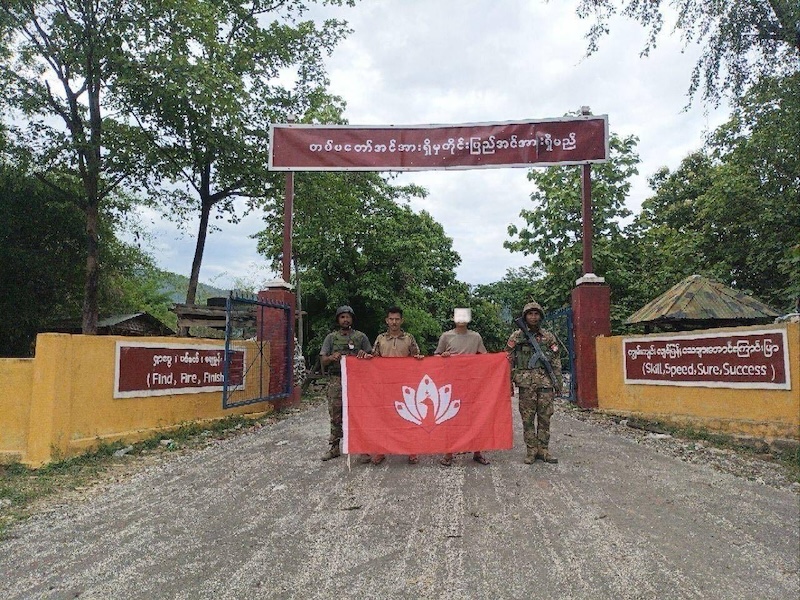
<point>246,318</point>
<point>559,322</point>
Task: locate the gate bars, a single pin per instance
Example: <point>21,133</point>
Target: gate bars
<point>254,320</point>
<point>560,323</point>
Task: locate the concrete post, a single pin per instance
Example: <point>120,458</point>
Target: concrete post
<point>591,318</point>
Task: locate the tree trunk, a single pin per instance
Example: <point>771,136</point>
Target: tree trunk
<point>202,232</point>
<point>91,184</point>
<point>90,304</point>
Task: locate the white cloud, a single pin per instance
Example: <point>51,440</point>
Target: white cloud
<point>467,61</point>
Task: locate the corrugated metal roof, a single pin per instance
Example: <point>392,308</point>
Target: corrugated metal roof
<point>141,323</point>
<point>697,298</point>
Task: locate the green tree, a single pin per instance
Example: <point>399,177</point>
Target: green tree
<point>733,212</point>
<point>41,252</point>
<point>205,79</point>
<point>513,291</point>
<point>754,203</point>
<point>356,243</point>
<point>41,231</point>
<point>741,40</point>
<point>668,230</point>
<point>56,63</point>
<point>553,234</point>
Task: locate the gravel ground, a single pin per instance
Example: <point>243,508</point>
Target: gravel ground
<point>758,467</point>
<point>625,514</point>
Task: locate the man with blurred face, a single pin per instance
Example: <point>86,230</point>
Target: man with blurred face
<point>461,340</point>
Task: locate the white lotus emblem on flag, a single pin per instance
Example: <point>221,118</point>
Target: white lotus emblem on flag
<point>427,406</point>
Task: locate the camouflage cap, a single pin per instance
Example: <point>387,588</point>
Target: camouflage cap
<point>532,306</point>
<point>344,309</point>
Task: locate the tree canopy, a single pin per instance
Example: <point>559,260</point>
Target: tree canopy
<point>732,211</point>
<point>41,254</point>
<point>741,41</point>
<point>205,80</point>
<point>56,62</point>
<point>178,93</point>
<point>553,234</point>
<point>357,243</point>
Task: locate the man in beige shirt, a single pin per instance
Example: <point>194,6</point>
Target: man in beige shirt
<point>395,343</point>
<point>461,340</point>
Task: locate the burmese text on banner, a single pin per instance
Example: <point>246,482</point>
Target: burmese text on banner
<point>434,405</point>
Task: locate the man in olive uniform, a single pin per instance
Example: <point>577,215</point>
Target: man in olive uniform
<point>536,388</point>
<point>343,341</point>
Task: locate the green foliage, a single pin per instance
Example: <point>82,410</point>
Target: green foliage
<point>356,244</point>
<point>754,201</point>
<point>513,291</point>
<point>175,92</point>
<point>553,233</point>
<point>56,64</point>
<point>42,258</point>
<point>732,212</point>
<point>205,80</point>
<point>741,41</point>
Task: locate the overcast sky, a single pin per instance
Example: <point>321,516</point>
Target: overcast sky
<point>474,61</point>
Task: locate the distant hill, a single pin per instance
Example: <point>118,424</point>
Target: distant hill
<point>175,287</point>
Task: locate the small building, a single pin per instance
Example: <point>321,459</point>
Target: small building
<point>701,303</point>
<point>136,324</point>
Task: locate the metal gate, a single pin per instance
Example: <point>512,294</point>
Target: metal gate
<point>560,323</point>
<point>250,321</point>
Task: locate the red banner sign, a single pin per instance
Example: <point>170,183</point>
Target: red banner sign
<point>750,359</point>
<point>575,140</point>
<point>143,369</point>
<point>434,405</point>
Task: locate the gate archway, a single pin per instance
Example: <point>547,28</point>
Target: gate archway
<point>579,140</point>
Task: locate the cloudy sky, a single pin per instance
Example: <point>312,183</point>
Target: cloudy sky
<point>475,61</point>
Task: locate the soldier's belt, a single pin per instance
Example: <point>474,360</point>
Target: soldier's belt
<point>545,389</point>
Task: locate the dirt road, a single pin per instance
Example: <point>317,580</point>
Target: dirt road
<point>259,516</point>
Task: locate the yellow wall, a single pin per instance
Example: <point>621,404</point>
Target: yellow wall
<point>767,414</point>
<point>15,392</point>
<point>62,403</point>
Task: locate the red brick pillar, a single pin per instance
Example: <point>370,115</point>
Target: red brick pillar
<point>591,317</point>
<point>272,327</point>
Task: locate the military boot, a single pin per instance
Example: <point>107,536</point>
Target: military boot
<point>332,452</point>
<point>530,458</point>
<point>544,455</point>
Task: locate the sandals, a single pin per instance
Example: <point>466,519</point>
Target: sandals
<point>480,458</point>
<point>413,459</point>
<point>446,460</point>
<point>377,459</point>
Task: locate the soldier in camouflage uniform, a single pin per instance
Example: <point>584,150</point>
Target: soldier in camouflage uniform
<point>536,390</point>
<point>343,341</point>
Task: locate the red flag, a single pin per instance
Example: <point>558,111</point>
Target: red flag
<point>434,405</point>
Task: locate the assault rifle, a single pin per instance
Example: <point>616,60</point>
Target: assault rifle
<point>538,355</point>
